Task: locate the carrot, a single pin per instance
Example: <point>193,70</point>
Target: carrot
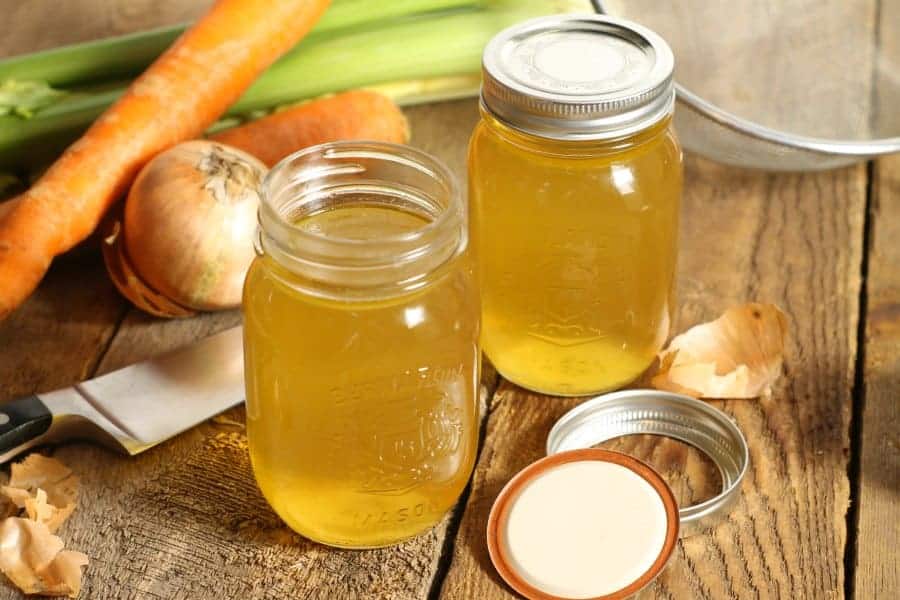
<point>181,94</point>
<point>356,115</point>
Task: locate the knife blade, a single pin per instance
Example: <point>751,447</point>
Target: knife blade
<point>136,407</point>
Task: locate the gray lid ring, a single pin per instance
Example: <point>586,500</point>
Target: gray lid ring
<point>670,415</point>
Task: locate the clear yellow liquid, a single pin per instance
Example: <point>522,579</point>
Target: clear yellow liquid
<point>361,415</point>
<point>577,245</point>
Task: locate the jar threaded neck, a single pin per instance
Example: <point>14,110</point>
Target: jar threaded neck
<point>347,175</point>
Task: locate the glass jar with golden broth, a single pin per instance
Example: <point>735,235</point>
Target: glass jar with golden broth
<point>361,321</point>
<point>575,182</point>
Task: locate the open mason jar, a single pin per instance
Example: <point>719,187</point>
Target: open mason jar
<point>361,321</point>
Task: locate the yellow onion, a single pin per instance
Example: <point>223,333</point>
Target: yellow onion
<point>185,240</point>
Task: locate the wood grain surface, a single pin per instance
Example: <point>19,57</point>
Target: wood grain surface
<point>874,554</point>
<point>790,239</point>
<point>878,541</point>
<point>185,520</point>
<point>60,334</point>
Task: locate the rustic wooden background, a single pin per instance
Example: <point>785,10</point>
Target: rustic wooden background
<point>819,516</point>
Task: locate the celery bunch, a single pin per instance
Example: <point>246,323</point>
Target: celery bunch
<point>413,50</point>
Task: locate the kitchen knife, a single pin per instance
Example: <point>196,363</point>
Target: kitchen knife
<point>136,407</point>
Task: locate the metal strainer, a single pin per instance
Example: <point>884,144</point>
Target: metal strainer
<point>781,85</point>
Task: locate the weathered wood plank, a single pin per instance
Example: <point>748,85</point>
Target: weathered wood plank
<point>185,520</point>
<point>58,335</point>
<point>790,239</point>
<point>878,533</point>
<point>878,488</point>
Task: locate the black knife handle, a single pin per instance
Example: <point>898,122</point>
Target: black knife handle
<point>23,420</point>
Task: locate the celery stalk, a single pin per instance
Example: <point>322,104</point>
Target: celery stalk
<point>116,57</point>
<point>422,58</point>
<point>24,98</point>
<point>28,141</point>
<point>127,55</point>
<point>422,91</point>
<point>413,49</point>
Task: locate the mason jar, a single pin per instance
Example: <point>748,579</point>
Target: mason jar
<point>361,325</point>
<point>575,180</point>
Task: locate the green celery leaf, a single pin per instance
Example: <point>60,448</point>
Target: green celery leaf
<point>25,98</point>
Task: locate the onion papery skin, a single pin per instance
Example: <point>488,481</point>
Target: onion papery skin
<point>189,223</point>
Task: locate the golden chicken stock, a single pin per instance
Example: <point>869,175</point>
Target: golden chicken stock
<point>361,398</point>
<point>574,185</point>
<point>577,249</point>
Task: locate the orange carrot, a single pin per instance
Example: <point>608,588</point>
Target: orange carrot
<point>356,115</point>
<point>177,98</point>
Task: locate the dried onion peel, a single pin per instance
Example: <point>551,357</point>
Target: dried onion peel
<point>45,488</point>
<point>31,556</point>
<point>34,559</point>
<point>739,355</point>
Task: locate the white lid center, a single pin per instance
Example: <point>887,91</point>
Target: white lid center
<point>573,62</point>
<point>578,58</point>
<point>584,529</point>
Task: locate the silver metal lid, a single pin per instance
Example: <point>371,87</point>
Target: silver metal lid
<point>578,77</point>
<point>671,415</point>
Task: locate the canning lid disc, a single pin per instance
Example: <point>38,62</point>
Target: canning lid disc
<point>587,524</point>
<point>666,414</point>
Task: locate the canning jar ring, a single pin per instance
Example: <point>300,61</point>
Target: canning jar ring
<point>676,416</point>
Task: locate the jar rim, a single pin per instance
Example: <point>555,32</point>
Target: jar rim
<point>346,173</point>
<point>403,154</point>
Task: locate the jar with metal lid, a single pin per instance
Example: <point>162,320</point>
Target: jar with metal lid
<point>575,180</point>
<point>361,325</point>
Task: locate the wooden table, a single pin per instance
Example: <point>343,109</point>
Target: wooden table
<point>819,516</point>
